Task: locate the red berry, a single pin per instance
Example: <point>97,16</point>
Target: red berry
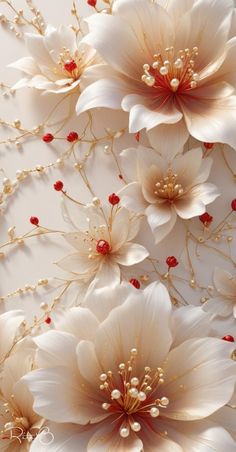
<point>228,338</point>
<point>103,247</point>
<point>73,136</point>
<point>113,199</point>
<point>120,176</point>
<point>206,219</point>
<point>48,320</point>
<point>58,186</point>
<point>233,204</point>
<point>34,220</point>
<point>70,66</point>
<point>137,136</point>
<point>172,261</point>
<point>48,137</point>
<point>92,3</point>
<point>135,283</point>
<point>209,145</point>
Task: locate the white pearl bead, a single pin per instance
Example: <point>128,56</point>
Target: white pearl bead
<point>124,432</point>
<point>164,401</point>
<point>136,427</point>
<point>174,83</point>
<point>142,396</point>
<point>134,381</point>
<point>164,70</point>
<point>154,412</point>
<point>133,392</point>
<point>115,394</point>
<point>103,377</point>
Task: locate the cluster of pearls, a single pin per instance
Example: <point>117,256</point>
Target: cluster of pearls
<point>132,395</point>
<point>174,71</point>
<point>20,19</point>
<point>168,188</point>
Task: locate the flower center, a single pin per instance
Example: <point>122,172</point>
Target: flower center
<point>103,247</point>
<point>69,64</point>
<point>129,395</point>
<point>168,188</point>
<point>173,72</point>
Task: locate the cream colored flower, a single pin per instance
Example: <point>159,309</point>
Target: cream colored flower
<point>134,381</point>
<point>165,190</point>
<point>225,303</point>
<point>19,424</point>
<point>102,240</point>
<point>57,61</point>
<point>170,64</point>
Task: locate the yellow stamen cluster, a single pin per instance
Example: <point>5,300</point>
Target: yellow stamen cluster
<point>168,188</point>
<point>173,71</point>
<point>132,395</point>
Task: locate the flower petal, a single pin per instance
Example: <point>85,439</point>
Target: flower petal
<point>169,139</point>
<point>203,367</point>
<point>131,254</point>
<point>143,117</point>
<point>132,197</point>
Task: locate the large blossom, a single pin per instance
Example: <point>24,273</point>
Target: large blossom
<point>141,379</point>
<point>170,64</point>
<point>57,61</point>
<point>102,239</point>
<point>225,303</point>
<point>19,424</point>
<point>164,190</point>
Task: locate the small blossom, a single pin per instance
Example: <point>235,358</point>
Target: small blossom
<point>58,186</point>
<point>113,199</point>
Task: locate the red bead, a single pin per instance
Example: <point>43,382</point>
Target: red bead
<point>206,218</point>
<point>135,283</point>
<point>209,145</point>
<point>172,261</point>
<point>58,186</point>
<point>92,3</point>
<point>48,320</point>
<point>103,247</point>
<point>228,338</point>
<point>233,204</point>
<point>34,221</point>
<point>113,199</point>
<point>120,176</point>
<point>137,136</point>
<point>48,137</point>
<point>70,66</point>
<point>73,136</point>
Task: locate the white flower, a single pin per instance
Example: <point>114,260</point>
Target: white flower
<point>170,64</point>
<point>134,381</point>
<point>103,242</point>
<point>19,424</point>
<point>225,303</point>
<point>164,190</point>
<point>57,61</point>
<point>10,323</point>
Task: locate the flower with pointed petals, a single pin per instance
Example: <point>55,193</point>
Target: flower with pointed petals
<point>224,304</point>
<point>103,244</point>
<point>165,190</point>
<point>57,61</point>
<point>135,380</point>
<point>19,424</point>
<point>164,70</point>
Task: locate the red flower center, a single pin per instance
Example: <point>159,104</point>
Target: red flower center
<point>103,247</point>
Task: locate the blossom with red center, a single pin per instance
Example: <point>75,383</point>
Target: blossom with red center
<point>70,65</point>
<point>206,219</point>
<point>209,146</point>
<point>165,71</point>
